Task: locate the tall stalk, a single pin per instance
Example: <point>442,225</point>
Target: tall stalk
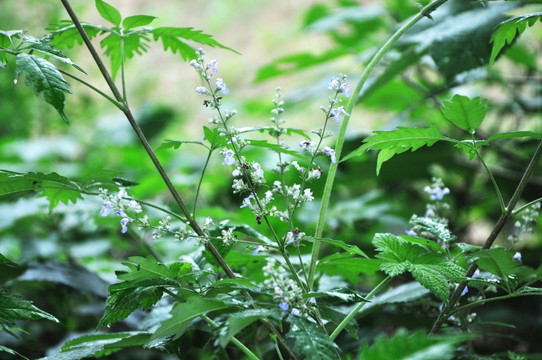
<point>424,12</point>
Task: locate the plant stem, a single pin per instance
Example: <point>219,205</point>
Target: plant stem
<point>342,133</point>
<point>239,344</point>
<point>497,190</point>
<point>105,73</point>
<point>200,181</point>
<point>520,209</point>
<point>358,307</point>
<point>491,238</point>
<point>118,104</point>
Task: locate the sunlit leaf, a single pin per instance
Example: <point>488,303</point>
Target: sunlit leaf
<point>108,12</point>
<point>6,42</point>
<point>509,30</point>
<point>464,112</point>
<point>44,46</point>
<point>137,20</point>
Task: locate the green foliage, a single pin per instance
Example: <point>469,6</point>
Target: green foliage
<point>414,346</point>
<point>465,113</point>
<point>310,339</point>
<point>508,31</point>
<point>433,270</point>
<point>398,141</point>
<point>45,78</point>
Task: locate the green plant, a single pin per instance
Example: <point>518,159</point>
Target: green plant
<point>252,282</point>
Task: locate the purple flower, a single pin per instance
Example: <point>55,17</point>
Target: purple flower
<point>228,157</point>
<point>336,113</point>
<point>123,223</point>
<point>345,90</point>
<point>330,152</point>
<point>221,85</point>
<point>257,250</point>
<point>106,209</point>
<point>517,256</point>
<point>202,90</point>
<point>194,63</point>
<point>295,312</point>
<point>212,66</point>
<point>259,172</point>
<point>283,305</point>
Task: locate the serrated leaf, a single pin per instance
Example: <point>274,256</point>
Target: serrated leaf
<point>432,228</point>
<point>13,308</point>
<point>310,339</point>
<point>44,46</point>
<point>276,148</point>
<point>464,112</point>
<point>509,30</point>
<point>415,346</point>
<point>289,131</point>
<point>213,137</point>
<point>176,144</point>
<point>45,78</point>
<point>183,313</point>
<point>398,141</point>
<point>171,40</point>
<point>64,35</point>
<point>348,266</point>
<point>431,269</point>
<point>132,43</point>
<point>137,20</point>
<point>342,294</point>
<point>54,187</point>
<point>108,12</point>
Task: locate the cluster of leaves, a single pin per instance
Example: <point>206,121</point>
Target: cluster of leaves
<point>186,304</point>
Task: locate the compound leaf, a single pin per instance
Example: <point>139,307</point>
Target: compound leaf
<point>46,79</point>
<point>509,30</point>
<point>44,46</point>
<point>464,112</point>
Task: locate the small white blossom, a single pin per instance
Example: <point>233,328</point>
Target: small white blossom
<point>229,157</point>
<point>221,85</point>
<point>330,152</point>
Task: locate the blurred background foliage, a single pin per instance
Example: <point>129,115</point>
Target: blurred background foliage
<point>68,256</point>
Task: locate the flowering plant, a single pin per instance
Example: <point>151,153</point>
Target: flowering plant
<point>282,269</point>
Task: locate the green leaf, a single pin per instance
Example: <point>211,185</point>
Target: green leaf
<point>433,228</point>
<point>142,287</point>
<point>509,30</point>
<point>6,42</point>
<point>12,352</point>
<point>67,35</point>
<point>310,339</point>
<point>348,266</point>
<point>108,12</point>
<point>296,62</point>
<point>465,113</point>
<point>497,261</point>
<point>515,134</point>
<point>214,138</point>
<point>342,294</point>
<point>415,346</point>
<point>46,79</point>
<point>239,320</point>
<point>97,345</point>
<point>176,144</point>
<point>54,187</point>
<point>13,309</point>
<point>45,47</point>
<point>275,147</point>
<point>351,249</point>
<point>137,20</point>
<point>431,269</point>
<point>134,43</point>
<point>183,313</point>
<point>398,141</point>
<point>401,294</point>
<point>171,39</point>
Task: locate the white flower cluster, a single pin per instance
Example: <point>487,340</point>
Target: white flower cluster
<point>285,291</point>
<point>524,225</point>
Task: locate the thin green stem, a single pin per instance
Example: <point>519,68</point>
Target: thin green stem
<point>113,101</point>
<point>201,181</point>
<point>342,133</point>
<point>495,185</point>
<point>358,307</point>
<point>491,238</point>
<point>237,343</point>
<point>521,208</point>
<point>493,299</point>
